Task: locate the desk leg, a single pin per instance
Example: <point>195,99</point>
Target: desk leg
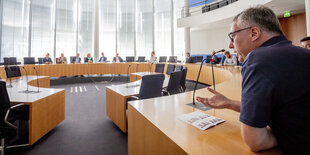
<point>145,138</point>
<point>116,109</point>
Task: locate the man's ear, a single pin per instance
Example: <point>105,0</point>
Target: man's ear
<point>255,33</point>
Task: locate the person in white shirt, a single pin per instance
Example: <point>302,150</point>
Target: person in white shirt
<point>117,58</point>
<point>230,59</point>
<point>153,57</point>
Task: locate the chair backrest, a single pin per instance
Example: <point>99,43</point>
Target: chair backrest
<point>162,59</point>
<point>170,69</point>
<point>141,59</point>
<point>10,61</point>
<point>12,71</point>
<point>159,68</point>
<point>40,60</point>
<point>4,100</point>
<point>223,59</point>
<point>178,68</point>
<point>85,59</point>
<point>174,82</point>
<point>151,86</point>
<point>183,79</point>
<point>29,60</point>
<point>72,59</point>
<point>130,59</point>
<point>209,58</point>
<point>198,59</point>
<point>172,59</point>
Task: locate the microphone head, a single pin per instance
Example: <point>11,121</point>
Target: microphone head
<point>223,50</point>
<point>34,67</point>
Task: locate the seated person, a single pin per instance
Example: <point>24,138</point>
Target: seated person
<point>188,59</point>
<point>305,43</point>
<point>62,59</point>
<point>215,59</point>
<point>230,59</point>
<point>88,59</point>
<point>103,58</point>
<point>153,57</point>
<point>117,58</point>
<point>77,59</point>
<point>47,59</point>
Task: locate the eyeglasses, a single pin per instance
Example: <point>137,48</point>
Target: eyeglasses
<point>231,33</point>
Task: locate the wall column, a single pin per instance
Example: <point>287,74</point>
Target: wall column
<point>307,6</point>
<point>187,31</point>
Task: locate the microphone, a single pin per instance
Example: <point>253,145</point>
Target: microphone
<point>128,75</point>
<point>197,104</point>
<point>37,79</point>
<point>26,79</point>
<point>223,50</point>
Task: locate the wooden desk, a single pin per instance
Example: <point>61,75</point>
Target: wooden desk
<point>154,129</point>
<point>116,99</point>
<point>46,109</point>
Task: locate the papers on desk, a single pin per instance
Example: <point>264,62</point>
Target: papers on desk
<point>200,120</point>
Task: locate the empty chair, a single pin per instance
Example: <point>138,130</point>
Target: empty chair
<point>183,79</point>
<point>130,59</point>
<point>8,115</point>
<point>178,68</point>
<point>159,68</point>
<point>12,71</point>
<point>174,83</point>
<point>170,69</point>
<point>40,60</point>
<point>10,61</point>
<point>172,59</point>
<point>29,60</point>
<point>162,59</point>
<point>198,59</point>
<point>151,86</point>
<point>141,59</point>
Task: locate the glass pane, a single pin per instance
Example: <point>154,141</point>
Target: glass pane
<point>144,27</point>
<point>107,21</point>
<point>15,29</point>
<point>179,44</point>
<point>86,16</point>
<point>66,16</point>
<point>43,26</point>
<point>162,27</point>
<point>125,25</point>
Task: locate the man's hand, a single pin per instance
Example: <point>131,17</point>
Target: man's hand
<point>219,101</point>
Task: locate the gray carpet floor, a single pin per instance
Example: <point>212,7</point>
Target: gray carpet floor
<point>86,128</point>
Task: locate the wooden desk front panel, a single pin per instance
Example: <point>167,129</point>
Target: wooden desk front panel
<point>46,114</point>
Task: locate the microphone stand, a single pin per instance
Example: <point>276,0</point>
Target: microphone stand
<point>37,79</point>
<point>26,79</point>
<point>128,76</point>
<point>197,104</point>
<point>136,75</point>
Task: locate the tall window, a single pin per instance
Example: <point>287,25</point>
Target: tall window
<point>43,28</point>
<point>86,19</point>
<point>15,29</point>
<point>107,28</point>
<point>163,27</point>
<point>66,17</point>
<point>125,26</point>
<point>144,27</point>
<point>179,48</point>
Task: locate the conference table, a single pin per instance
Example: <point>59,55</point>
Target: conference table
<point>151,124</point>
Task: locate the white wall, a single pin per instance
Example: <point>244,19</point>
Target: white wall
<point>205,41</point>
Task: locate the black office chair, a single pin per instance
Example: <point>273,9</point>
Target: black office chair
<point>130,59</point>
<point>172,59</point>
<point>9,132</point>
<point>29,60</point>
<point>40,60</point>
<point>174,83</point>
<point>183,79</point>
<point>10,61</point>
<point>170,69</point>
<point>151,86</point>
<point>159,68</point>
<point>162,59</point>
<point>141,59</point>
<point>178,68</point>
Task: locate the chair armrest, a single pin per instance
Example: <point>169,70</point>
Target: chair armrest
<point>15,106</point>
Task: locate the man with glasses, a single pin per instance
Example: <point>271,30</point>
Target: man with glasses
<point>275,101</point>
<point>305,42</point>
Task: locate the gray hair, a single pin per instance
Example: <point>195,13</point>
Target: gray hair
<point>262,17</point>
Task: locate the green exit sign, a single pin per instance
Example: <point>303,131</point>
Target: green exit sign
<point>287,13</point>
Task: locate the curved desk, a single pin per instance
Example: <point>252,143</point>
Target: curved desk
<point>46,108</point>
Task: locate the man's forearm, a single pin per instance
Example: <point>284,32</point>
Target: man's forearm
<point>234,105</point>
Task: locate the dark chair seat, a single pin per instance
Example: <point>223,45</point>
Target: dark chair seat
<point>174,83</point>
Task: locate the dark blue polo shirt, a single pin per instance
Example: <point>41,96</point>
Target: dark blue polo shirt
<point>276,92</point>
